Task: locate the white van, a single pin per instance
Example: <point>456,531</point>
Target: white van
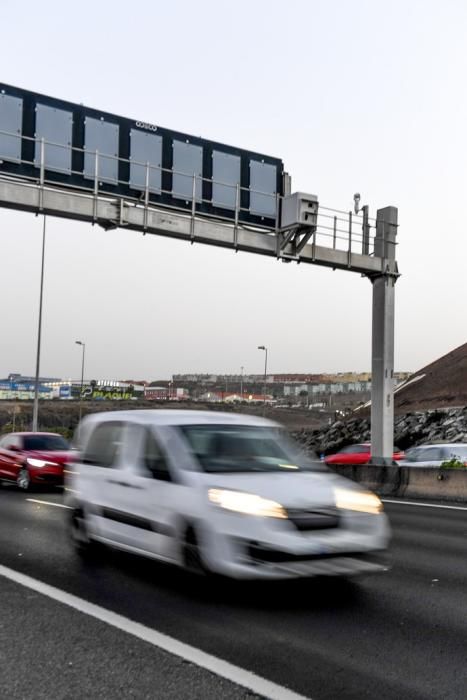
<point>219,492</point>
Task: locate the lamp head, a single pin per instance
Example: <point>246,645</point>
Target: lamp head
<point>356,200</point>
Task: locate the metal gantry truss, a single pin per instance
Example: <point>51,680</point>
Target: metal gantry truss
<point>332,238</point>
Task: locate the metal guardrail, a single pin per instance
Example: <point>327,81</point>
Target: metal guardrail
<point>336,229</point>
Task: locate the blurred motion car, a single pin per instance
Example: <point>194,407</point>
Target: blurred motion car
<point>358,454</point>
<point>220,493</point>
<point>434,455</point>
<point>33,458</point>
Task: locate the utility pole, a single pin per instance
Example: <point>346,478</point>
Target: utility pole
<point>83,346</point>
<point>263,347</point>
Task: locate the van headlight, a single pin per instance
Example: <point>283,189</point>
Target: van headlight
<point>246,503</point>
<point>361,501</point>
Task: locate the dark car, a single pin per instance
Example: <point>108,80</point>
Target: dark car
<point>33,458</point>
<point>358,454</point>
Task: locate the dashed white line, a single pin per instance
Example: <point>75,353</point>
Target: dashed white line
<point>423,505</point>
<point>219,667</point>
<point>47,503</point>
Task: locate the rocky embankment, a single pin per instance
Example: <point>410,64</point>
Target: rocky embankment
<point>439,425</point>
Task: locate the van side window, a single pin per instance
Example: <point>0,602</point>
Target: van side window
<point>153,458</point>
<point>103,448</point>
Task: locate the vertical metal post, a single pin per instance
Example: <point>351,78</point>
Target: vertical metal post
<point>82,383</point>
<point>334,232</point>
<point>287,184</point>
<point>96,185</point>
<point>278,213</point>
<point>146,197</point>
<point>349,251</point>
<point>237,213</point>
<point>382,363</point>
<point>83,346</point>
<point>193,207</point>
<point>35,412</point>
<point>365,231</point>
<point>14,412</point>
<point>42,174</point>
<point>263,347</point>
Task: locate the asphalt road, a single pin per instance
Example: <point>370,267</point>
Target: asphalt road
<point>399,635</point>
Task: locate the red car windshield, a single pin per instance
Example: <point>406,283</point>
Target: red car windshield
<point>48,443</point>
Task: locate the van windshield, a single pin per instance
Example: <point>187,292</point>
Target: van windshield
<point>244,448</point>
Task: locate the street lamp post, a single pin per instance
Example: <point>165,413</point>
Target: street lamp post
<point>83,345</point>
<point>15,408</point>
<point>35,410</point>
<point>263,347</point>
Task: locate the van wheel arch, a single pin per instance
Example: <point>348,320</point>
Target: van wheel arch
<point>191,556</point>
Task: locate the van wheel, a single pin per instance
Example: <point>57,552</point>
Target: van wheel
<point>192,559</point>
<point>23,480</point>
<point>84,545</point>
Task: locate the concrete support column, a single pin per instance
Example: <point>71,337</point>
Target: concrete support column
<point>382,363</point>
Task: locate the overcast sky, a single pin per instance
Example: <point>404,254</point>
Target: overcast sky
<point>364,96</point>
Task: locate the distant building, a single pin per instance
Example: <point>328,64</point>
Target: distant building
<point>22,388</point>
<point>165,393</point>
<point>18,387</point>
<point>232,397</point>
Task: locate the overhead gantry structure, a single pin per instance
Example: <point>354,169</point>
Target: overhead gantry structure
<point>245,204</point>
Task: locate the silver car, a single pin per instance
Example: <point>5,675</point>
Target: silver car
<point>434,455</point>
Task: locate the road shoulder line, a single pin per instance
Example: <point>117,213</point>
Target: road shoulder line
<point>423,505</point>
<point>219,667</point>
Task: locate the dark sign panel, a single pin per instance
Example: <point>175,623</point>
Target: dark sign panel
<point>79,147</point>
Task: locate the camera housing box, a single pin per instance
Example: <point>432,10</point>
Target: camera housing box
<point>299,209</point>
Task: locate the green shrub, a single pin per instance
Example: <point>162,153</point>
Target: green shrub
<point>67,433</point>
<point>453,463</point>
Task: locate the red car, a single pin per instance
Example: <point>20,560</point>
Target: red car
<point>33,458</point>
<point>357,454</point>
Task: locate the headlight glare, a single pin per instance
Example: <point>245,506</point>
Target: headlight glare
<point>246,503</point>
<point>360,501</point>
<point>33,462</point>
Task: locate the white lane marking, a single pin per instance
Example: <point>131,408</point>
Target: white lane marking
<point>215,665</point>
<point>424,505</point>
<point>47,503</point>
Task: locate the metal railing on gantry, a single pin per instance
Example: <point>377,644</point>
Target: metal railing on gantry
<point>336,238</point>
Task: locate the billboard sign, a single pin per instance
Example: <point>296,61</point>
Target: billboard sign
<point>134,158</point>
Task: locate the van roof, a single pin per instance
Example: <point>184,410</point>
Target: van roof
<point>176,417</point>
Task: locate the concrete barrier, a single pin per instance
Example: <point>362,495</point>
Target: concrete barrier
<point>409,482</point>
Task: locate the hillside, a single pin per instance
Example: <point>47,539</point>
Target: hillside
<point>441,384</point>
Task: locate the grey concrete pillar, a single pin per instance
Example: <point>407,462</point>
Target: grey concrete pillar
<point>382,363</point>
